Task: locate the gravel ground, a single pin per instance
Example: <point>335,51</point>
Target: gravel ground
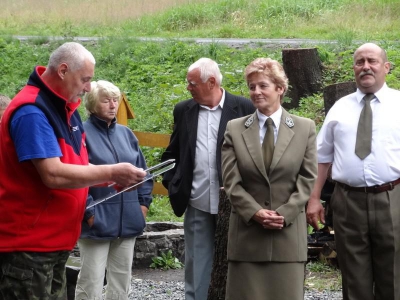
<point>174,290</point>
<point>157,290</point>
<point>163,285</point>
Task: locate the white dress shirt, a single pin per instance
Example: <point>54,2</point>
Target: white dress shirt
<point>205,187</point>
<point>276,117</point>
<point>337,138</point>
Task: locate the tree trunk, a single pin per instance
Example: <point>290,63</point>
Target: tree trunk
<point>219,273</point>
<point>334,92</point>
<point>303,68</point>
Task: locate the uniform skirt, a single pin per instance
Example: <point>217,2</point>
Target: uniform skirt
<point>265,281</point>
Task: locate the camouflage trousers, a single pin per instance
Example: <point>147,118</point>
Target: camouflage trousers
<point>33,275</point>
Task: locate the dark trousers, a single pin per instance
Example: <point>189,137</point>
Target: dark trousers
<point>33,275</point>
<point>367,235</point>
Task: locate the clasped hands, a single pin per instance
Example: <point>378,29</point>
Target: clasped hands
<point>269,219</point>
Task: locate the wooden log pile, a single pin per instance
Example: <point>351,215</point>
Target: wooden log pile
<point>321,246</point>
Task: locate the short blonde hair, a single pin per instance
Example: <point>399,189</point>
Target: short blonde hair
<point>99,89</point>
<point>270,68</point>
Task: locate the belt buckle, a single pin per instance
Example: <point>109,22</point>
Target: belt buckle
<point>391,185</point>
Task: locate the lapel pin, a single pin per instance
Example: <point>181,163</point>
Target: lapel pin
<point>249,121</point>
<point>289,122</point>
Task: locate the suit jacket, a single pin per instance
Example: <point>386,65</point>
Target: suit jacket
<point>182,146</point>
<point>286,188</point>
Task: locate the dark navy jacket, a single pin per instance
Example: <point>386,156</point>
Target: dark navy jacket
<point>120,216</point>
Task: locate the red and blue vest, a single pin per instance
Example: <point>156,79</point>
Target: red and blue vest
<point>34,217</point>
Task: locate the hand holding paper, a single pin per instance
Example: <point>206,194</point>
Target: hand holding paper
<point>157,170</point>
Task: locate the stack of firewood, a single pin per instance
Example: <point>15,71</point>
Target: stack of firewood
<point>321,246</point>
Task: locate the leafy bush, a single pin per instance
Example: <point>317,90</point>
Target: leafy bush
<point>160,210</point>
<point>311,107</point>
<point>166,261</point>
<point>311,229</point>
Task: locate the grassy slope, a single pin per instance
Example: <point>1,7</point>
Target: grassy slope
<point>320,19</point>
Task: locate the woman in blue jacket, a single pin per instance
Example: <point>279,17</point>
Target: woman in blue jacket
<point>109,229</point>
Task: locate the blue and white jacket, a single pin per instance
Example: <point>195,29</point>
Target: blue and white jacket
<point>120,216</point>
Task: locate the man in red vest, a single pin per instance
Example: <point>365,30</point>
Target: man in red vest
<point>45,176</point>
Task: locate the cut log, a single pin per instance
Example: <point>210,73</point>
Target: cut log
<point>328,254</point>
<point>334,92</point>
<point>314,252</point>
<point>303,68</point>
<point>329,250</point>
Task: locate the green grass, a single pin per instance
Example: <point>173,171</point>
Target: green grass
<point>342,20</point>
<point>321,276</point>
<point>160,210</point>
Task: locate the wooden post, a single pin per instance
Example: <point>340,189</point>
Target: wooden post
<point>152,139</point>
<point>303,68</point>
<point>124,112</point>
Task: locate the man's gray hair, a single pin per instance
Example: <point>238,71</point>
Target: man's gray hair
<point>208,68</point>
<point>71,53</point>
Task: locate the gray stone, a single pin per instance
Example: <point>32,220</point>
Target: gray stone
<point>158,238</point>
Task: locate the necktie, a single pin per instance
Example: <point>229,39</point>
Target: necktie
<point>268,144</point>
<point>364,129</point>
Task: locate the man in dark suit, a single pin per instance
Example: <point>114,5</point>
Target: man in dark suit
<point>195,182</point>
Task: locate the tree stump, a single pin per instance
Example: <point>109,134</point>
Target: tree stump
<point>334,92</point>
<point>219,273</point>
<point>303,68</point>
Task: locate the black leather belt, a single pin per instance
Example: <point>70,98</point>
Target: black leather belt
<point>372,189</point>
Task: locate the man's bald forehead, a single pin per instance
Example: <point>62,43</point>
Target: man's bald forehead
<point>372,47</point>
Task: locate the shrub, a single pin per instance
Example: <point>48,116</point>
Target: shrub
<point>166,261</point>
